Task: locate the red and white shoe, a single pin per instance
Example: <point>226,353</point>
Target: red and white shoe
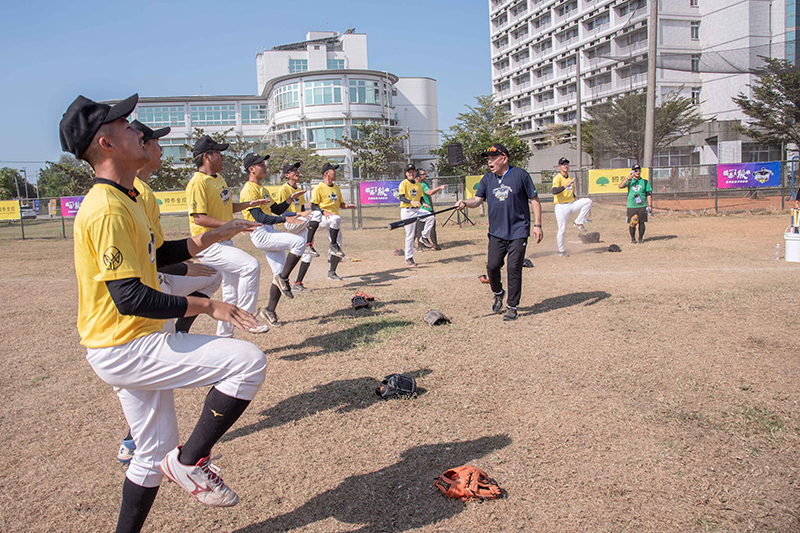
<point>201,480</point>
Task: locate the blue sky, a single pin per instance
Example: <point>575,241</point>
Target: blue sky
<point>52,51</point>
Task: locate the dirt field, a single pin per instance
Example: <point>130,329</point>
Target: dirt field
<point>651,390</point>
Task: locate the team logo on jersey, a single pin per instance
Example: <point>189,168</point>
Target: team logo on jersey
<point>333,197</point>
<point>151,247</point>
<point>112,258</point>
<point>225,194</point>
<point>502,192</point>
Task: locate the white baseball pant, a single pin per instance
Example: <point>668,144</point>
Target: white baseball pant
<point>411,212</point>
<point>332,222</point>
<point>240,277</point>
<point>563,211</point>
<point>274,244</point>
<point>145,371</point>
<point>300,228</point>
<point>186,285</point>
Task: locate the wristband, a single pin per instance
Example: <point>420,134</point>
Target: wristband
<point>537,225</point>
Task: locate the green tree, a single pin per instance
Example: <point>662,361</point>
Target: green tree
<point>67,177</point>
<point>374,151</point>
<point>618,127</point>
<point>311,162</point>
<point>170,177</point>
<point>774,108</point>
<point>8,187</point>
<point>476,130</point>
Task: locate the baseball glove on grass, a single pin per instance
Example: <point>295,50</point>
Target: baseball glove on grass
<point>358,301</point>
<point>484,278</point>
<point>468,483</point>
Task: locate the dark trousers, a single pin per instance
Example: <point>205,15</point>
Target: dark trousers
<point>515,250</point>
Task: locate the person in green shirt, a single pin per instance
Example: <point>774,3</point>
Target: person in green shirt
<point>640,201</point>
<point>427,205</point>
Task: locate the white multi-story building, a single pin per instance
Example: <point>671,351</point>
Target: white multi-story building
<point>312,92</point>
<point>709,47</point>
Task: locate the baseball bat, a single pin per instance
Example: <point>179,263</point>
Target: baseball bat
<point>407,221</point>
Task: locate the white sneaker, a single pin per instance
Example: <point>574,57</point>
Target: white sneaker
<point>261,328</point>
<point>201,481</point>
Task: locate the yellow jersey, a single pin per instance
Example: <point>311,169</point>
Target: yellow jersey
<point>297,204</point>
<point>253,191</point>
<point>566,196</point>
<point>150,204</point>
<point>208,195</point>
<point>327,198</point>
<point>412,191</point>
<point>113,240</point>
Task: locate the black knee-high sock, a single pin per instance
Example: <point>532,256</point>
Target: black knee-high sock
<point>183,323</point>
<point>312,230</point>
<point>334,234</point>
<point>274,297</point>
<point>301,272</point>
<point>641,230</point>
<point>335,262</point>
<point>288,266</point>
<point>128,436</point>
<point>633,232</point>
<point>136,504</point>
<point>220,411</point>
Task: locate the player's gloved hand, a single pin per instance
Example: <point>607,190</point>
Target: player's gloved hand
<point>199,269</point>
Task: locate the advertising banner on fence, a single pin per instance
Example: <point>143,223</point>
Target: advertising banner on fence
<point>378,192</point>
<point>745,175</point>
<point>607,180</point>
<point>471,185</point>
<point>171,201</point>
<point>70,205</point>
<point>9,210</point>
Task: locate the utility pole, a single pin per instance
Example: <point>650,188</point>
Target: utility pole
<point>578,105</point>
<point>16,183</point>
<point>650,109</point>
<point>25,182</point>
<point>408,145</point>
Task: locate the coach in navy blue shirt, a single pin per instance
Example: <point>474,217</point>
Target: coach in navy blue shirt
<point>507,191</point>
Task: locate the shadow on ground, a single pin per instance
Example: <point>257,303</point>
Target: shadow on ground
<point>342,396</point>
<point>568,300</point>
<point>375,309</point>
<point>397,498</point>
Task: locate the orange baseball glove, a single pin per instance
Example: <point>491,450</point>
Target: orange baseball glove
<point>468,483</point>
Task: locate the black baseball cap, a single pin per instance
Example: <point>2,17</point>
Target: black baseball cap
<point>289,166</point>
<point>636,167</point>
<point>206,144</point>
<point>148,133</point>
<point>84,117</point>
<point>410,166</point>
<point>329,166</point>
<point>496,149</point>
<point>563,161</point>
<point>253,159</point>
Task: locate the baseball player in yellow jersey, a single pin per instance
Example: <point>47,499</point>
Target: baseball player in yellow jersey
<point>305,227</point>
<point>266,238</point>
<point>121,313</point>
<point>210,206</point>
<point>327,198</point>
<point>566,204</point>
<point>410,194</point>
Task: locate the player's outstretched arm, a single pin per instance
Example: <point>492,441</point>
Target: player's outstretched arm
<point>225,232</point>
<point>475,201</point>
<point>221,311</point>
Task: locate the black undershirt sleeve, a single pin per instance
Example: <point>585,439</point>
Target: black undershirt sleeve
<point>172,252</point>
<point>262,218</point>
<point>178,269</point>
<point>316,207</point>
<point>280,208</point>
<point>134,298</point>
<point>557,190</point>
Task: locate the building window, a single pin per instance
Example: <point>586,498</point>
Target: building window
<point>335,64</point>
<point>287,134</point>
<point>213,115</point>
<point>323,92</point>
<point>760,153</point>
<point>694,3</point>
<point>322,133</point>
<point>174,148</point>
<point>388,92</point>
<point>521,33</point>
<point>357,135</point>
<point>565,9</point>
<point>544,20</point>
<point>696,95</point>
<point>159,117</point>
<point>365,92</point>
<point>632,6</point>
<point>287,97</point>
<point>695,65</point>
<point>257,144</point>
<point>298,65</point>
<point>673,157</point>
<point>254,113</point>
<point>597,22</point>
<point>695,31</point>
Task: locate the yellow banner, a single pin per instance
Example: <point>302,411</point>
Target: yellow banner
<point>171,201</point>
<point>472,185</point>
<point>605,181</point>
<point>9,210</point>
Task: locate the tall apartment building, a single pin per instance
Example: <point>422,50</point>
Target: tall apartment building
<point>313,92</point>
<point>705,50</point>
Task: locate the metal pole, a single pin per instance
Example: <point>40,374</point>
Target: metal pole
<point>650,110</point>
<point>16,183</point>
<point>578,105</point>
<point>25,182</point>
<point>408,146</point>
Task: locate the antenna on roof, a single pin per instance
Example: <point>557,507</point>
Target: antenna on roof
<point>349,31</point>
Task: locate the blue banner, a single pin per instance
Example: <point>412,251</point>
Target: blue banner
<point>746,175</point>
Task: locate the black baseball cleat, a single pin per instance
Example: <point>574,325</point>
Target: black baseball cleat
<point>336,250</point>
<point>511,314</point>
<point>497,305</point>
<point>333,276</point>
<point>283,285</point>
<point>425,242</point>
<point>270,317</point>
<point>309,249</point>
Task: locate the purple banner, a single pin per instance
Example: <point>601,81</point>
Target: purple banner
<point>745,175</point>
<point>379,192</point>
<point>70,205</point>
